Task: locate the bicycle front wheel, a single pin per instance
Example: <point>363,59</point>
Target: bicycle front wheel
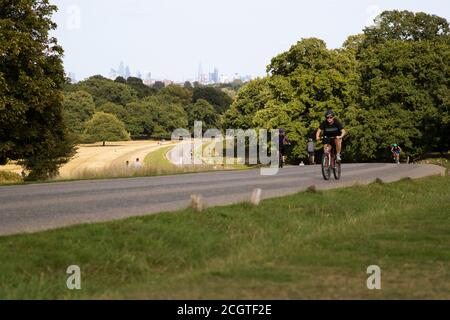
<point>326,168</point>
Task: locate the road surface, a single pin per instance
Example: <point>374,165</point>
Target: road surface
<point>31,208</point>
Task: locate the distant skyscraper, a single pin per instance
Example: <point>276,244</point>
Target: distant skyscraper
<point>200,72</point>
<point>72,77</point>
<point>121,71</point>
<point>139,75</point>
<point>215,76</point>
<point>127,72</point>
<point>113,74</point>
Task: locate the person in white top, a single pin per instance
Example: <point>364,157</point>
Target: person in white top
<point>137,164</point>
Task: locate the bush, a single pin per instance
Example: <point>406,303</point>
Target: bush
<point>10,177</point>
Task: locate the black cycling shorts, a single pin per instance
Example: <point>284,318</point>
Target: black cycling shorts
<point>328,140</point>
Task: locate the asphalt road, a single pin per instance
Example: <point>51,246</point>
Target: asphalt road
<point>31,208</point>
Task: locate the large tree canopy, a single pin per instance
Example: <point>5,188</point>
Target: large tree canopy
<point>79,107</point>
<point>105,90</point>
<point>105,127</point>
<point>202,111</point>
<point>404,89</point>
<point>31,81</point>
<point>304,82</point>
<point>388,85</point>
<point>216,97</point>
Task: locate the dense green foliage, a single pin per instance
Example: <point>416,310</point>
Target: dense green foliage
<point>217,98</point>
<point>388,85</point>
<point>144,110</point>
<point>104,90</point>
<point>203,111</point>
<point>138,85</point>
<point>79,107</point>
<point>31,81</point>
<point>105,127</point>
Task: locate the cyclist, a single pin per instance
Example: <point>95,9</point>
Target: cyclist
<point>396,150</point>
<point>283,141</point>
<point>333,131</point>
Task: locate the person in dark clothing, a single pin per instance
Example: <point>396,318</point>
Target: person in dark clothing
<point>311,148</point>
<point>333,131</point>
<point>283,142</point>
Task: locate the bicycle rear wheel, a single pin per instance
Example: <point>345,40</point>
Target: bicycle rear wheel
<point>326,168</point>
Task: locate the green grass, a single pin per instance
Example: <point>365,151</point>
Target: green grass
<point>309,245</point>
<point>158,159</point>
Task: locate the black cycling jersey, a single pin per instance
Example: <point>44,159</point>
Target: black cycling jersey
<point>331,130</point>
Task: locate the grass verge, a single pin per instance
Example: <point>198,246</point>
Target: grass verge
<point>158,159</point>
<point>8,177</point>
<point>308,245</point>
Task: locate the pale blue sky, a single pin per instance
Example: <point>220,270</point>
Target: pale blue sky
<point>171,37</point>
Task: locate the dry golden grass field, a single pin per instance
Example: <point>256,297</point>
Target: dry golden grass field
<point>95,157</point>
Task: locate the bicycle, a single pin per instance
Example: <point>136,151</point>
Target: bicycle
<point>329,162</point>
<point>396,158</point>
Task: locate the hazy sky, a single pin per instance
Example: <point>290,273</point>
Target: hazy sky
<point>171,37</point>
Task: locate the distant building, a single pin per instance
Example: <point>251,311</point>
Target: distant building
<point>121,71</point>
<point>214,77</point>
<point>113,74</point>
<point>72,77</point>
<point>127,72</point>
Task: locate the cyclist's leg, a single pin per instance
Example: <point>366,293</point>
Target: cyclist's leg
<point>338,144</point>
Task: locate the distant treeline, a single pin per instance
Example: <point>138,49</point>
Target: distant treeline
<point>144,111</point>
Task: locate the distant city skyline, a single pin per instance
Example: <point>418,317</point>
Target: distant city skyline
<point>170,38</point>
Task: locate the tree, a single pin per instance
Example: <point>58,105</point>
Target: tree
<point>388,85</point>
<point>218,99</point>
<point>116,109</point>
<point>404,84</point>
<point>158,85</point>
<point>79,107</point>
<point>106,127</point>
<point>177,94</point>
<point>141,89</point>
<point>405,26</point>
<point>304,82</point>
<point>203,111</point>
<point>105,90</point>
<point>167,116</point>
<point>121,79</point>
<point>188,85</point>
<point>31,80</point>
<point>138,118</point>
<point>251,98</point>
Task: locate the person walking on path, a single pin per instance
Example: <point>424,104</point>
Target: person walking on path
<point>311,148</point>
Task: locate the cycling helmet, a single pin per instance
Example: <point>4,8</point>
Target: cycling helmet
<point>282,131</point>
<point>394,145</point>
<point>330,113</point>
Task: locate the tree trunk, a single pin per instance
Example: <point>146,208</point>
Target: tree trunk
<point>104,143</point>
